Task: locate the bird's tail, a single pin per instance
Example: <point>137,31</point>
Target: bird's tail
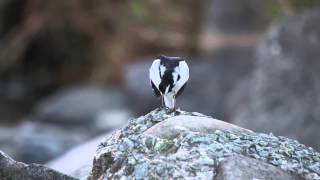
<point>169,100</point>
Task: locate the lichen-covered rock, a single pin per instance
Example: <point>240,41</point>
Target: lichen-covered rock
<point>141,150</point>
<point>12,170</point>
<point>241,167</point>
<point>176,125</point>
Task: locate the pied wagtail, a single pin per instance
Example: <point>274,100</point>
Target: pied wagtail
<point>168,78</point>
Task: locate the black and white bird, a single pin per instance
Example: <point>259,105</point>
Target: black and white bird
<point>168,78</point>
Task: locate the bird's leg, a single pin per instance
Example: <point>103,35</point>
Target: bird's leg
<point>175,109</point>
<point>174,104</point>
<point>162,102</point>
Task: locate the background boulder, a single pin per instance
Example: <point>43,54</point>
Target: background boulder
<point>79,104</point>
<point>12,170</point>
<point>282,95</point>
<point>70,163</point>
<point>65,119</point>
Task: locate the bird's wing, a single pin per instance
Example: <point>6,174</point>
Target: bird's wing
<point>154,72</point>
<point>180,90</point>
<point>154,75</point>
<point>183,71</point>
<point>155,89</point>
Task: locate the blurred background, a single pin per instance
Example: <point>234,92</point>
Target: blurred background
<point>72,70</point>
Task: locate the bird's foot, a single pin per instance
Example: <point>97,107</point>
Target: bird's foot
<point>174,110</point>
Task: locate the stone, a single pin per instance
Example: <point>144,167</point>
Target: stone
<point>137,87</point>
<point>34,142</point>
<point>141,171</point>
<point>232,23</point>
<point>232,16</point>
<point>241,167</point>
<point>13,170</point>
<point>79,104</point>
<point>282,94</point>
<point>174,126</point>
<point>165,145</point>
<point>111,119</point>
<point>69,163</point>
<point>6,16</point>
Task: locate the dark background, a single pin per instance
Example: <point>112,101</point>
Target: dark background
<point>71,70</point>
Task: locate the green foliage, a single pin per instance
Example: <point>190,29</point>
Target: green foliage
<point>277,8</point>
<point>299,5</point>
<point>138,10</point>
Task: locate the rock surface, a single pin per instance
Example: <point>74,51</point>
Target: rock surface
<point>174,126</point>
<point>284,89</point>
<point>140,150</point>
<point>241,167</point>
<point>12,170</point>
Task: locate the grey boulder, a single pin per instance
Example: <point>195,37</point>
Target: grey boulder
<point>12,170</point>
<point>241,167</point>
<point>282,95</point>
<point>70,163</point>
<point>79,104</point>
<point>164,145</point>
<point>34,142</point>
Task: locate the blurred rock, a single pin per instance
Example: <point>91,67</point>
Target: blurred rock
<point>62,121</point>
<point>16,100</point>
<point>283,94</point>
<point>211,81</point>
<point>110,119</point>
<point>232,23</point>
<point>232,16</point>
<point>34,142</point>
<point>241,167</point>
<point>70,163</point>
<point>8,19</point>
<point>137,86</point>
<point>13,170</point>
<point>80,105</point>
<point>147,148</point>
